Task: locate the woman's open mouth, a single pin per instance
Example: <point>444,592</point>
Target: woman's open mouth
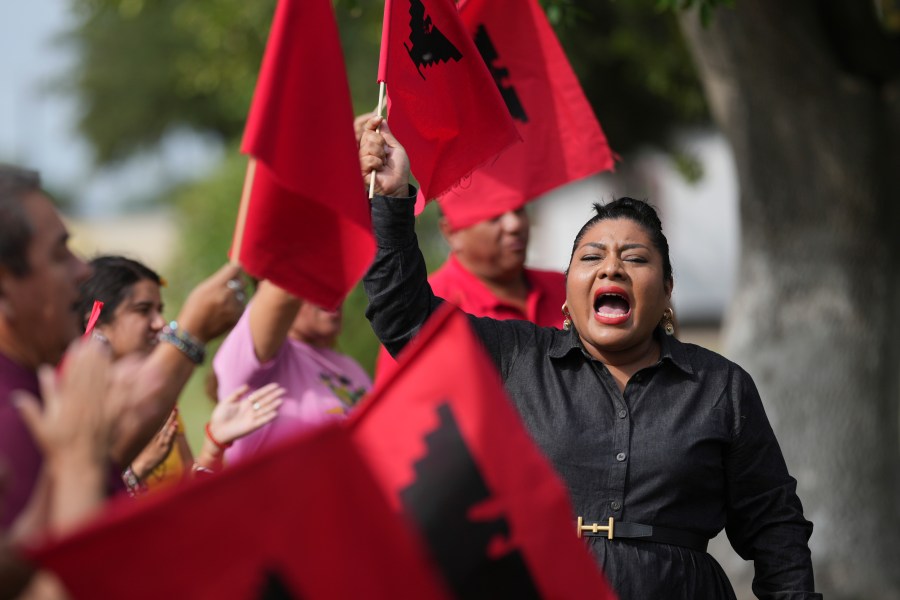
<point>611,305</point>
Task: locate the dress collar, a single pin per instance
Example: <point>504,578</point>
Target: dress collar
<point>671,350</point>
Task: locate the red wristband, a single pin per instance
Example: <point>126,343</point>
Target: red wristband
<point>216,442</point>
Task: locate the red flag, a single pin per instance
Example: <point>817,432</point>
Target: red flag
<point>562,140</point>
<point>96,309</point>
<point>305,520</point>
<point>443,105</point>
<point>448,447</point>
<point>306,224</point>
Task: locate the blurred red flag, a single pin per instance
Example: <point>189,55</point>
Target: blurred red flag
<point>443,105</point>
<point>96,309</point>
<point>562,140</point>
<point>304,220</point>
<point>304,520</point>
<point>449,449</point>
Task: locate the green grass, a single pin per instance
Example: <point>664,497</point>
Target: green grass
<point>195,408</point>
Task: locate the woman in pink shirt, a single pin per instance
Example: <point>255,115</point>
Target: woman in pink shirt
<point>288,341</point>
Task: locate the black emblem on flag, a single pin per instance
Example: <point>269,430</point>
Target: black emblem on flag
<point>428,45</point>
<point>490,55</point>
<point>448,485</point>
<point>274,588</point>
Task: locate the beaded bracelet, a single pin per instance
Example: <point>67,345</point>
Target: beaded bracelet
<point>181,339</point>
<point>216,442</point>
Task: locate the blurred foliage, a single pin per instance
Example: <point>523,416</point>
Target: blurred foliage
<point>635,71</point>
<point>150,67</point>
<point>889,13</point>
<point>207,212</point>
<point>705,7</point>
<point>688,165</point>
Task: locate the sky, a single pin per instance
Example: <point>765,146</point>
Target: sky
<point>36,124</point>
<point>38,120</point>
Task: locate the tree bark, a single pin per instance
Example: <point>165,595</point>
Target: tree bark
<point>814,121</point>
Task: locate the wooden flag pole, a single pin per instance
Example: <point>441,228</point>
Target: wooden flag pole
<point>242,213</point>
<point>378,112</point>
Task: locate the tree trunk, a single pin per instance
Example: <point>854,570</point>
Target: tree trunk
<point>807,93</point>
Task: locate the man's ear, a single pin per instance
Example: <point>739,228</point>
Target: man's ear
<point>447,232</point>
<point>444,226</point>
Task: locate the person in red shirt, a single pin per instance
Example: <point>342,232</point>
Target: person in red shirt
<point>485,275</point>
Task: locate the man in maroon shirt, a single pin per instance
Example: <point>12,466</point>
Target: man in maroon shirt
<point>485,275</point>
<point>39,279</point>
<point>39,291</point>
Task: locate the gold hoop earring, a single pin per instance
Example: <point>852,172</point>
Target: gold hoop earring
<point>668,321</point>
<point>567,320</point>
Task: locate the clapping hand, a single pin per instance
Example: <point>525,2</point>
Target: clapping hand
<point>241,413</point>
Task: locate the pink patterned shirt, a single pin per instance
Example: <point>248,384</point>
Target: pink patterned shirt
<point>322,385</point>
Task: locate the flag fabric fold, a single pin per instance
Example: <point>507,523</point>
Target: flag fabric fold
<point>562,139</point>
<point>443,105</point>
<point>448,448</point>
<point>304,520</point>
<point>307,225</point>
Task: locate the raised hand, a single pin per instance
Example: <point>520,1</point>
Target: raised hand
<point>157,450</point>
<point>77,414</point>
<point>74,429</point>
<point>359,125</point>
<point>241,413</point>
<point>215,305</point>
<point>382,155</point>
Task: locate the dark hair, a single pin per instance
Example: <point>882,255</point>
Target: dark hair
<point>15,228</point>
<point>634,210</point>
<point>110,283</point>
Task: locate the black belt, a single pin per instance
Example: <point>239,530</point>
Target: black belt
<point>646,533</point>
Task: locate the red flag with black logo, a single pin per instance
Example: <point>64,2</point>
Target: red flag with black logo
<point>443,105</point>
<point>304,221</point>
<point>305,520</point>
<point>449,449</point>
<point>562,139</point>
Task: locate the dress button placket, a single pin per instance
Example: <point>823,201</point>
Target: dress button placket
<point>621,439</point>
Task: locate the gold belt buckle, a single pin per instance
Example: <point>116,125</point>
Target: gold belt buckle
<point>596,528</point>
